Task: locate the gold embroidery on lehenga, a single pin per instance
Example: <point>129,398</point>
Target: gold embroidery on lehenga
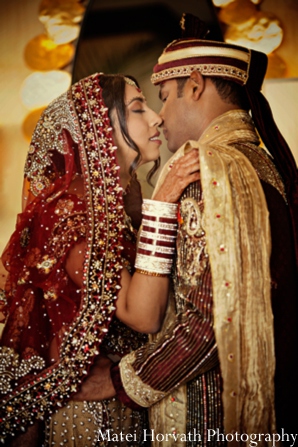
<point>46,264</point>
<point>25,237</point>
<point>64,206</point>
<point>11,368</point>
<point>47,138</point>
<point>71,227</point>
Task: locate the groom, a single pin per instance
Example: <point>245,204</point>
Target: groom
<point>221,362</point>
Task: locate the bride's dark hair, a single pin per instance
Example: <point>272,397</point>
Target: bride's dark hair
<point>113,94</point>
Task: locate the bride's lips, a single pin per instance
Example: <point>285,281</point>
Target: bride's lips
<point>155,138</point>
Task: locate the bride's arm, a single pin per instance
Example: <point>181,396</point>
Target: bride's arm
<point>142,299</point>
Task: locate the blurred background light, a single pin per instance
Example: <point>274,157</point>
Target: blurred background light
<point>262,32</point>
<point>40,88</point>
<point>42,53</point>
<point>61,19</point>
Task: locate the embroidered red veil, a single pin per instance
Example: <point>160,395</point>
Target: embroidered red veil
<point>54,330</point>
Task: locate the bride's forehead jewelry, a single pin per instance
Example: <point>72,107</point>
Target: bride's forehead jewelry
<point>132,83</point>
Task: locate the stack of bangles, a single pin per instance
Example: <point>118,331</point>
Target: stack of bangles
<point>157,239</point>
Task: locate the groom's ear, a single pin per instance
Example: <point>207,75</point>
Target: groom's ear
<point>197,84</point>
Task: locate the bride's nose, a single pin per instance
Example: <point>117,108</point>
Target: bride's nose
<point>156,119</point>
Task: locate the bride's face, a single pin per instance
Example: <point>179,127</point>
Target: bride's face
<point>142,125</point>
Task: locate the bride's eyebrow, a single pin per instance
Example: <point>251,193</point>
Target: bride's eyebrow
<point>136,98</point>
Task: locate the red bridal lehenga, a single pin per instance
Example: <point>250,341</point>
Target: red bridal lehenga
<point>54,330</point>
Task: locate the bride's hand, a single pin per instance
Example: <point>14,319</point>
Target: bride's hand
<point>98,384</point>
<point>183,171</point>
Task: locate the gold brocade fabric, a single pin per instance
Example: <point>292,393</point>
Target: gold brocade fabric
<point>168,416</point>
<point>143,394</point>
<point>169,427</point>
<point>239,245</point>
<point>96,424</point>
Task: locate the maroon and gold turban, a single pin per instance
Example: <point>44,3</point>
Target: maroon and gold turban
<point>240,65</point>
<point>211,58</point>
<point>231,62</point>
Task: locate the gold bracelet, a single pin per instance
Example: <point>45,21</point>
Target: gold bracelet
<point>145,272</point>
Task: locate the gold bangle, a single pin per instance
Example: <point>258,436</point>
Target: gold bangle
<point>159,225</point>
<point>156,208</point>
<point>145,272</point>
